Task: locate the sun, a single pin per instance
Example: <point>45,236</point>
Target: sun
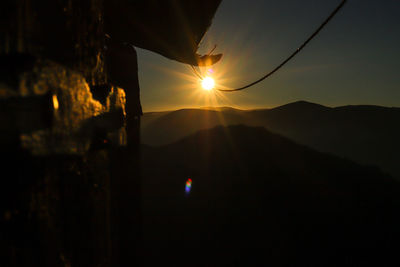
<point>208,83</point>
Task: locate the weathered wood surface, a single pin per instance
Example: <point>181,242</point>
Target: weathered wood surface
<point>54,111</point>
<point>67,174</point>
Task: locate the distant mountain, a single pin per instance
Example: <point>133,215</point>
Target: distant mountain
<point>366,134</point>
<point>258,198</point>
<point>167,127</point>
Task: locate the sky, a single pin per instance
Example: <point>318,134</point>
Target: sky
<point>355,60</point>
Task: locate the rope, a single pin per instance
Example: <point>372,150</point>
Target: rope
<point>293,54</point>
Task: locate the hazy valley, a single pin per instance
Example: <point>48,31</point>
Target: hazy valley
<point>365,134</point>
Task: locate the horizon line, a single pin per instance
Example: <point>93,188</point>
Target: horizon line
<point>258,108</point>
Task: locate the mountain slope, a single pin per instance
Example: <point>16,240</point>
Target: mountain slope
<point>260,199</point>
<point>175,125</point>
<point>366,134</point>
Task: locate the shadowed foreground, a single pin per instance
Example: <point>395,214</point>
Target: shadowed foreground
<point>259,199</point>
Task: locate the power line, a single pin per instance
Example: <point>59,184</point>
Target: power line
<point>330,17</point>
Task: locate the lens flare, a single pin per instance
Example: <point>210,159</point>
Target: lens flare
<point>188,186</point>
<point>208,83</point>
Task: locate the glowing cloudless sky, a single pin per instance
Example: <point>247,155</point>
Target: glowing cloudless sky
<point>354,60</point>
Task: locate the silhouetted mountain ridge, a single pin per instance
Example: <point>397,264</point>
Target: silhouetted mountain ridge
<point>366,134</point>
<point>260,199</point>
<point>302,105</point>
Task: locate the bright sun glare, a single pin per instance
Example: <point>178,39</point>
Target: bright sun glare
<point>208,83</point>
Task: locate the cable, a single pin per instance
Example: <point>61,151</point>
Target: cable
<point>293,54</point>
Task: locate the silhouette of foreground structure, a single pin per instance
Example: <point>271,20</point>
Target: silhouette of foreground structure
<point>70,118</point>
